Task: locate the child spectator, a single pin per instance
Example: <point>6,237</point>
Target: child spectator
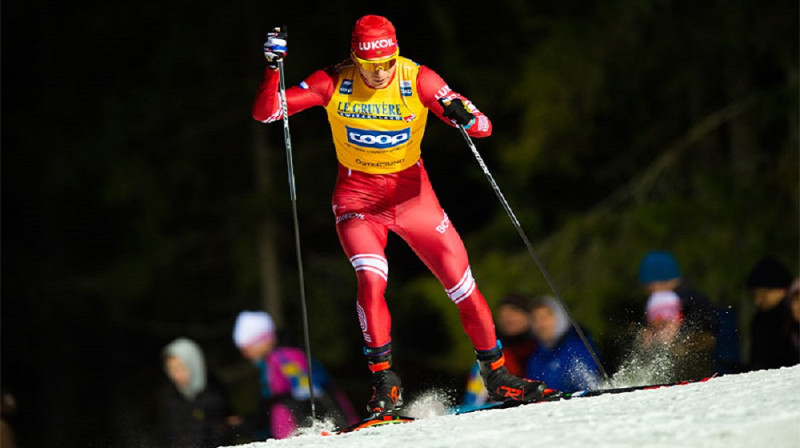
<point>283,374</point>
<point>515,332</point>
<point>516,336</point>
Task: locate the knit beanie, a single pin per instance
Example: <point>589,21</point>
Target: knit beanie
<point>658,266</point>
<point>769,273</point>
<point>253,327</point>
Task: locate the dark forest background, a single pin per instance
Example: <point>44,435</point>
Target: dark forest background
<point>141,202</point>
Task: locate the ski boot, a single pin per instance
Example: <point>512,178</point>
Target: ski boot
<point>387,391</point>
<point>503,386</point>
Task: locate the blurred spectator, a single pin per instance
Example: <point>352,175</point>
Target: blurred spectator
<point>664,316</point>
<point>561,360</point>
<point>514,328</point>
<point>794,323</point>
<point>8,409</point>
<point>516,337</point>
<point>728,350</point>
<point>283,373</point>
<point>194,412</point>
<point>770,342</point>
<point>681,323</point>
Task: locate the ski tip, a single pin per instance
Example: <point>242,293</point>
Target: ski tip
<point>375,420</point>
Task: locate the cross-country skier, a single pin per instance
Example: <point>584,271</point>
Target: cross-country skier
<point>377,104</point>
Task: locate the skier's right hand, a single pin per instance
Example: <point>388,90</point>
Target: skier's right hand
<point>275,47</point>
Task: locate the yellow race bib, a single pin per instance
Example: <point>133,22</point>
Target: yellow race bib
<point>377,131</point>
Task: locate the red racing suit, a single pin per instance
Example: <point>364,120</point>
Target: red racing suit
<point>382,184</point>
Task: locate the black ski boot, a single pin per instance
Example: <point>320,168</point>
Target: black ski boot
<point>387,391</point>
<point>503,386</point>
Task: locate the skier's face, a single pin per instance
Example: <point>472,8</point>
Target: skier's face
<point>378,74</point>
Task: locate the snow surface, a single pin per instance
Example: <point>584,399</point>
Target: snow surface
<point>754,409</point>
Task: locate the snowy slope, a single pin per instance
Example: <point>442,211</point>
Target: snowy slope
<point>756,409</point>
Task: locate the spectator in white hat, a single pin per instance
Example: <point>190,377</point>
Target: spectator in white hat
<point>283,375</point>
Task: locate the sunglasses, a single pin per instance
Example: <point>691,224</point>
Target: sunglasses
<point>374,66</point>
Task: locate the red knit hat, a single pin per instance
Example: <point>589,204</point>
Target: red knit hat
<point>374,38</point>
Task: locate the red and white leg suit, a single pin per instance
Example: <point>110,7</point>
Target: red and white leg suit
<point>367,207</point>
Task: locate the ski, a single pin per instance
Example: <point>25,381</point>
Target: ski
<point>585,393</point>
<point>379,420</point>
<point>620,390</point>
<point>388,419</point>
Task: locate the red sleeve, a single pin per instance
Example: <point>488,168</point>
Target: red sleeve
<point>316,90</point>
<point>431,88</point>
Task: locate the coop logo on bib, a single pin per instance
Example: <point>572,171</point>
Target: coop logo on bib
<point>377,139</point>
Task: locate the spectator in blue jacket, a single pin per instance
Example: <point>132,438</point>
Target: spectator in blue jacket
<point>561,360</point>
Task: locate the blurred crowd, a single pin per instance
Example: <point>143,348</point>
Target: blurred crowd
<point>681,335</point>
<point>194,411</point>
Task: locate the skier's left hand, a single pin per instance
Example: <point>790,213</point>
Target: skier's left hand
<point>456,112</point>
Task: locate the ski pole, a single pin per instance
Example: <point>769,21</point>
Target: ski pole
<point>293,196</point>
<point>530,248</point>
